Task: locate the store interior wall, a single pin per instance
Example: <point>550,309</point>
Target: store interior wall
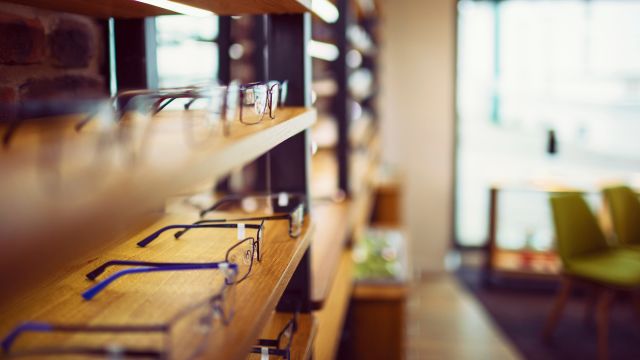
<point>418,120</point>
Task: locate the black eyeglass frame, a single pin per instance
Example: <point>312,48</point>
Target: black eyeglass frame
<point>273,345</point>
<point>206,224</point>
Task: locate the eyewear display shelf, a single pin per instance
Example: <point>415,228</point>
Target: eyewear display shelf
<point>40,224</point>
<point>136,9</point>
<point>136,299</point>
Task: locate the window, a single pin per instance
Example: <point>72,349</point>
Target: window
<point>529,66</point>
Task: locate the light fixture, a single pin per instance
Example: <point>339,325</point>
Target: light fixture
<point>325,10</point>
<point>178,7</point>
<point>354,58</point>
<point>322,50</point>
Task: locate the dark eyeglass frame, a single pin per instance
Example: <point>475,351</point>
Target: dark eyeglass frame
<point>295,230</point>
<point>298,208</point>
<point>216,302</point>
<point>51,158</point>
<point>273,345</point>
<point>299,198</point>
<point>141,267</point>
<point>272,87</point>
<point>159,99</point>
<point>206,224</point>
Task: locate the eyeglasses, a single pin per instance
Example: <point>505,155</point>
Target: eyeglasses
<point>295,217</point>
<point>206,110</point>
<point>184,335</point>
<point>269,203</point>
<point>280,346</point>
<point>64,162</point>
<point>205,224</point>
<point>239,255</point>
<point>261,96</point>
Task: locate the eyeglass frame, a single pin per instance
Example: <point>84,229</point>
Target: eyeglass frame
<point>282,94</point>
<point>216,301</point>
<point>272,345</point>
<point>140,267</point>
<point>202,224</point>
<point>299,208</point>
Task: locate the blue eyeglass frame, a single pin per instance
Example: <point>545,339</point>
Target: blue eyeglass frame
<point>215,301</point>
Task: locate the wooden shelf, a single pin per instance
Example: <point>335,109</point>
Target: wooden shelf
<point>331,317</point>
<point>140,300</point>
<point>135,9</point>
<point>34,227</point>
<point>303,339</point>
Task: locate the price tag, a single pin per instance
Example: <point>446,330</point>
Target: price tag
<point>283,199</point>
<point>241,232</point>
<point>264,353</point>
<point>115,352</point>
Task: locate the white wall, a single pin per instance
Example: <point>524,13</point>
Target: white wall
<point>417,105</point>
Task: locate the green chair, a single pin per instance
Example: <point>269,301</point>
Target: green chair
<point>588,259</point>
<point>624,208</point>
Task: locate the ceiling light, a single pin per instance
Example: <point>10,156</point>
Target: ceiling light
<point>178,7</point>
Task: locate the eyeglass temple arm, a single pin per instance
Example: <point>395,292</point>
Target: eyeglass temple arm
<point>215,222</point>
<point>22,328</point>
<point>96,289</point>
<point>230,198</point>
<point>101,269</point>
<point>33,326</point>
<point>217,205</point>
<point>102,352</point>
<point>146,241</point>
<point>8,134</point>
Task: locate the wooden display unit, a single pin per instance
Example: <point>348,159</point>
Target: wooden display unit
<point>57,240</point>
<point>45,224</point>
<point>255,298</point>
<point>48,243</point>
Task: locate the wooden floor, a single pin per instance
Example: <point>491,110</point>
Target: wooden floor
<point>446,322</point>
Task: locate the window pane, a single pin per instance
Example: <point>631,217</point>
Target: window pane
<point>529,66</point>
<point>187,52</point>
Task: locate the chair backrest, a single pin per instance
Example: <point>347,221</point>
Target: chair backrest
<point>624,207</point>
<point>577,230</point>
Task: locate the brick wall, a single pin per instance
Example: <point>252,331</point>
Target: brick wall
<point>47,57</point>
